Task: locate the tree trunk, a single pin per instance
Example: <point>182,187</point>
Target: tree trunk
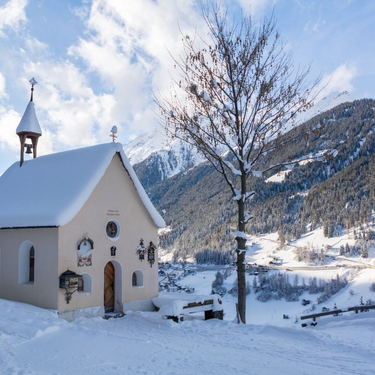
<point>241,252</point>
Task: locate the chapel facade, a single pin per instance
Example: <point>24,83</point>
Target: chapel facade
<point>78,233</point>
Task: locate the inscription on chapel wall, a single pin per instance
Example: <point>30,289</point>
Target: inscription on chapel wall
<point>113,213</point>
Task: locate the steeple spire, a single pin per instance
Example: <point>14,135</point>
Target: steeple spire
<point>33,83</point>
<point>29,127</point>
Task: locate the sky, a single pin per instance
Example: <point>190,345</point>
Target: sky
<point>97,62</point>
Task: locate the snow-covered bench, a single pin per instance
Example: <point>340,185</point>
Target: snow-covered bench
<point>176,305</point>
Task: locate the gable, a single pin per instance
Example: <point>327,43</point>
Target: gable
<point>51,190</point>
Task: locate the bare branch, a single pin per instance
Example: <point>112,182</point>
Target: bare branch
<point>235,101</point>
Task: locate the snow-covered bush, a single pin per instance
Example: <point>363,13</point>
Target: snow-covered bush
<point>372,287</point>
<point>277,286</point>
<point>220,257</point>
<point>348,250</point>
<point>234,290</point>
<point>219,280</point>
<point>332,287</point>
<point>227,272</point>
<point>217,284</point>
<point>310,255</point>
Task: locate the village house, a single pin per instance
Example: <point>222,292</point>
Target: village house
<point>77,230</point>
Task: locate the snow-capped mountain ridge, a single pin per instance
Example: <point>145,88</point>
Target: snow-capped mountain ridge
<point>173,157</point>
<point>327,102</point>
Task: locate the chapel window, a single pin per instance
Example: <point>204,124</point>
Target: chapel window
<point>113,230</point>
<point>31,264</point>
<point>137,278</point>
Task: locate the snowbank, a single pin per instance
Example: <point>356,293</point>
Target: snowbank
<point>146,343</point>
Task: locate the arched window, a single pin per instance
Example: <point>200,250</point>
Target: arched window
<point>31,263</point>
<point>26,263</point>
<point>86,286</point>
<point>134,279</point>
<point>137,278</point>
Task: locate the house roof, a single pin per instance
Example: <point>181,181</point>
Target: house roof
<point>50,190</point>
<point>29,122</point>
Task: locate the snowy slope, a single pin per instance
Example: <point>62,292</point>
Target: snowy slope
<point>173,158</point>
<point>330,101</point>
<point>143,146</point>
<point>262,249</point>
<point>35,341</point>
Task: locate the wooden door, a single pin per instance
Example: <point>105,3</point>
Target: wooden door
<point>109,287</point>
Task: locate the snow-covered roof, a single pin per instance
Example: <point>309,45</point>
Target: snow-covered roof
<point>29,121</point>
<point>50,190</point>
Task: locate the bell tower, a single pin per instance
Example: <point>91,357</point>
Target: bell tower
<point>29,127</point>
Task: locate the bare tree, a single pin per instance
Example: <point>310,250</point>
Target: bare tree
<point>238,93</point>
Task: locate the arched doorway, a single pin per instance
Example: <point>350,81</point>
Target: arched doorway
<point>109,287</point>
<point>113,286</point>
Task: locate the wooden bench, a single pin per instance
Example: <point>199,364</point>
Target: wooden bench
<point>191,304</point>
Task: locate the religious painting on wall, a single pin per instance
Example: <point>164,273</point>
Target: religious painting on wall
<point>85,248</point>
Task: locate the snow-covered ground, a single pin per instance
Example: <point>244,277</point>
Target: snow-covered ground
<point>36,341</point>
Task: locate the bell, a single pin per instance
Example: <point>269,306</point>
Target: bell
<point>28,148</point>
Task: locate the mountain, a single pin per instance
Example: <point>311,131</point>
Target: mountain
<point>156,158</point>
<point>334,195</point>
<point>324,104</point>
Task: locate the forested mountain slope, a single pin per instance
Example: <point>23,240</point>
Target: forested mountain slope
<point>157,157</point>
<point>336,194</point>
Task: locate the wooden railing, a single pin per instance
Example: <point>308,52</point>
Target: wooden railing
<point>339,311</point>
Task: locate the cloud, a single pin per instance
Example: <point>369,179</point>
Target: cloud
<point>128,45</point>
<point>255,7</point>
<point>12,14</point>
<point>9,120</point>
<point>70,109</point>
<point>3,93</point>
<point>315,27</point>
<point>36,47</point>
<point>339,80</point>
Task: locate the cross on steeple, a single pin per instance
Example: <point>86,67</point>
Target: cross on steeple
<point>33,83</point>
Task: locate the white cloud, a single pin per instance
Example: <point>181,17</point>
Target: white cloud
<point>3,93</point>
<point>12,14</point>
<point>9,120</point>
<point>71,110</point>
<point>339,80</point>
<point>315,27</point>
<point>128,48</point>
<point>254,7</point>
<point>36,47</point>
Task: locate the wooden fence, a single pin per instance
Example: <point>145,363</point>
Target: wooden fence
<point>361,308</point>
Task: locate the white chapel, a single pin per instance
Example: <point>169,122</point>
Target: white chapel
<point>78,233</point>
